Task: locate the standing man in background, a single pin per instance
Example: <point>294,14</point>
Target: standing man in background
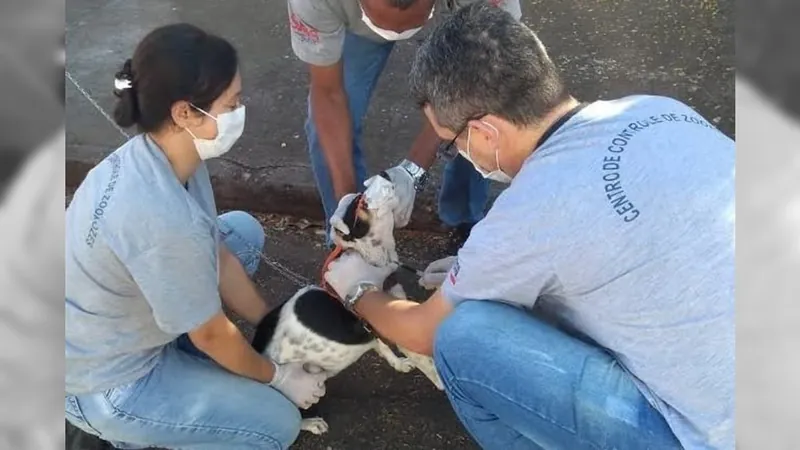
<point>346,44</point>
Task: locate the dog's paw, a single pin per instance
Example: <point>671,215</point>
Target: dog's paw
<point>314,425</point>
<point>403,365</point>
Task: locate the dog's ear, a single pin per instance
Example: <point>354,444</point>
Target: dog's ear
<point>357,220</point>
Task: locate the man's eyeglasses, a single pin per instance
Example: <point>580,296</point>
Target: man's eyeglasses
<point>450,150</point>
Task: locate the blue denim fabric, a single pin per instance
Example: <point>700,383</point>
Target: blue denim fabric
<point>516,382</point>
<point>187,401</point>
<point>463,195</point>
<point>464,192</point>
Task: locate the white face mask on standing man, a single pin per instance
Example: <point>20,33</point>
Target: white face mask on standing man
<point>230,126</point>
<point>390,35</point>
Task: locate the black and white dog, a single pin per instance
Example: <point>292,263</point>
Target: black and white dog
<point>313,326</point>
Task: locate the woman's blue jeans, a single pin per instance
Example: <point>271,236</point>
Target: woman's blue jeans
<point>188,401</point>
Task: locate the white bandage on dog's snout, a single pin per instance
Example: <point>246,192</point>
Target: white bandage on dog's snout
<point>379,193</point>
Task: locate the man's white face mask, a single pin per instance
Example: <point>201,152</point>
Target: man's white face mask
<point>495,175</point>
<point>230,126</point>
<point>390,35</point>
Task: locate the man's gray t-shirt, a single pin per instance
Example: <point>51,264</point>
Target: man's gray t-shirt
<point>622,226</point>
<point>318,27</point>
<point>141,265</point>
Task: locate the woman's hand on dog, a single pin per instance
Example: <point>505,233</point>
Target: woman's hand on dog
<point>349,270</point>
<point>298,385</point>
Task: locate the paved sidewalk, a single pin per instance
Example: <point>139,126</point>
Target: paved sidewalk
<point>606,49</point>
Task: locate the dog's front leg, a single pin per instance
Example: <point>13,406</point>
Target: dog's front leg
<point>399,364</point>
<point>313,422</point>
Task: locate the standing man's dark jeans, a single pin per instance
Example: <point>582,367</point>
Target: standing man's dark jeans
<point>516,382</point>
<point>464,192</point>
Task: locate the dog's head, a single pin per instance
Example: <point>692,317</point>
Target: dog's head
<point>370,219</point>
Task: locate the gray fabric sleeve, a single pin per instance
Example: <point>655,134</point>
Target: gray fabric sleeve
<point>180,281</point>
<point>317,33</point>
<point>503,260</point>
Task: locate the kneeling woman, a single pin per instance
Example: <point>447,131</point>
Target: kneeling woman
<point>151,359</point>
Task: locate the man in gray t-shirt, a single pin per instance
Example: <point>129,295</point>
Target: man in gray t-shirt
<point>593,307</point>
<point>346,44</point>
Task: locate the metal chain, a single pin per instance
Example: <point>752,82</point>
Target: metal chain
<point>293,276</point>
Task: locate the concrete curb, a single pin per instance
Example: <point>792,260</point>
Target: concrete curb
<point>238,187</point>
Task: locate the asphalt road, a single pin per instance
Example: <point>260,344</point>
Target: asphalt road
<point>606,49</point>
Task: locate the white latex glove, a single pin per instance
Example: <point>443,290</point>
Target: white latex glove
<point>349,270</point>
<point>434,275</point>
<point>404,191</point>
<point>337,219</point>
<point>301,387</point>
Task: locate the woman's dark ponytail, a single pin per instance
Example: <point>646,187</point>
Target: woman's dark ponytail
<point>177,62</point>
<point>126,113</point>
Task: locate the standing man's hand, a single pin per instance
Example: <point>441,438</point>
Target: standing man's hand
<point>404,185</point>
<point>404,190</point>
<point>301,387</point>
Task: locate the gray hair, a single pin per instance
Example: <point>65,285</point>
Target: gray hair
<point>482,61</point>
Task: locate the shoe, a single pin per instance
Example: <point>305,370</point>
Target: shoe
<point>458,235</point>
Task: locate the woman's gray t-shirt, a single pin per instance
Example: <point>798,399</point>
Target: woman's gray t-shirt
<point>622,226</point>
<point>141,265</point>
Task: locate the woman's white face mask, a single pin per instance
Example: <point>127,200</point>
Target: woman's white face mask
<point>390,35</point>
<point>230,126</point>
<point>495,175</point>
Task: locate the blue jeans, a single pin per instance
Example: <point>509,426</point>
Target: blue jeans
<point>464,192</point>
<point>519,383</point>
<point>190,402</point>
